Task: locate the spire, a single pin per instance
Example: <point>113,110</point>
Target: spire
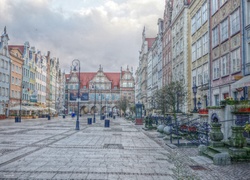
<point>4,30</point>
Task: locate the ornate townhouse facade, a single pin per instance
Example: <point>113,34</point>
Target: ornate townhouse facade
<point>226,49</point>
<point>167,44</point>
<point>100,91</point>
<point>141,72</point>
<point>4,74</point>
<point>199,29</point>
<point>181,65</point>
<point>16,76</point>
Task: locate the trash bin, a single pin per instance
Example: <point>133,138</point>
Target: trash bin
<point>89,120</point>
<point>106,123</point>
<point>16,119</point>
<point>63,116</point>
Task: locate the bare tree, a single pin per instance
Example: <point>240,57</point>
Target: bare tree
<point>123,104</point>
<point>171,97</point>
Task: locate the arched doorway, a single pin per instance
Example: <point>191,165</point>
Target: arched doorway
<point>94,108</point>
<point>84,110</point>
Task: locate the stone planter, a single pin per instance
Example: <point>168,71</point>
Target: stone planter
<point>237,139</point>
<point>216,135</point>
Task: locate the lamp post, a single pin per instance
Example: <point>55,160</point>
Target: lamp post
<point>76,63</point>
<point>20,110</point>
<point>94,86</point>
<point>194,91</point>
<point>101,105</point>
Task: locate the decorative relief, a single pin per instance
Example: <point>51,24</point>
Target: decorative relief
<point>224,48</point>
<point>199,62</point>
<point>234,4</point>
<point>216,19</point>
<point>235,41</point>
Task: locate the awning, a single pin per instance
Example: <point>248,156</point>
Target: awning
<point>243,82</point>
<point>23,108</point>
<point>50,109</point>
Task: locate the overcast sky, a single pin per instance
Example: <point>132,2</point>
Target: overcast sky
<point>106,32</point>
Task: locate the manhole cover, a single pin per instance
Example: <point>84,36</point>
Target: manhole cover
<point>117,134</point>
<point>197,167</point>
<point>116,129</point>
<point>113,146</point>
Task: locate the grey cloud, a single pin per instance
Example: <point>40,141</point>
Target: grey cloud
<point>111,37</point>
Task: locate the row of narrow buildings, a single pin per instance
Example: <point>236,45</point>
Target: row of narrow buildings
<point>33,82</point>
<point>28,78</point>
<point>204,44</point>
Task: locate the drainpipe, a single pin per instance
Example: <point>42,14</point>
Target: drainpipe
<point>209,52</point>
<point>243,52</point>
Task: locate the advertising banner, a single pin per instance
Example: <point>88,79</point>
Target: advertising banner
<point>83,96</point>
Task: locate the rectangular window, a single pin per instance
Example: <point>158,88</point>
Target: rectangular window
<point>224,30</point>
<point>235,22</point>
<point>193,24</point>
<point>224,65</point>
<point>204,13</point>
<point>193,52</point>
<point>198,19</point>
<point>216,69</point>
<point>177,49</point>
<point>215,6</point>
<point>198,46</point>
<point>194,76</point>
<point>248,54</point>
<point>216,100</point>
<point>205,73</point>
<point>173,51</point>
<point>2,63</point>
<point>6,65</point>
<point>199,74</point>
<point>215,39</point>
<point>181,45</point>
<point>3,91</point>
<point>205,44</point>
<point>235,60</point>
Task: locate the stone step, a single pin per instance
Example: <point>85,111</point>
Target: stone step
<point>210,154</point>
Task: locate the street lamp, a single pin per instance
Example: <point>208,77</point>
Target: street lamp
<point>21,97</point>
<point>100,105</point>
<point>94,86</point>
<point>194,91</point>
<point>76,63</point>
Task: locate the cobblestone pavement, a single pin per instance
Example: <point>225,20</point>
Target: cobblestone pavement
<point>42,149</point>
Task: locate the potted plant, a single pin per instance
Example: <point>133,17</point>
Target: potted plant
<point>203,111</point>
<point>247,129</point>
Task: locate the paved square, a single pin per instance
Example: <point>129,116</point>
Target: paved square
<point>42,149</point>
